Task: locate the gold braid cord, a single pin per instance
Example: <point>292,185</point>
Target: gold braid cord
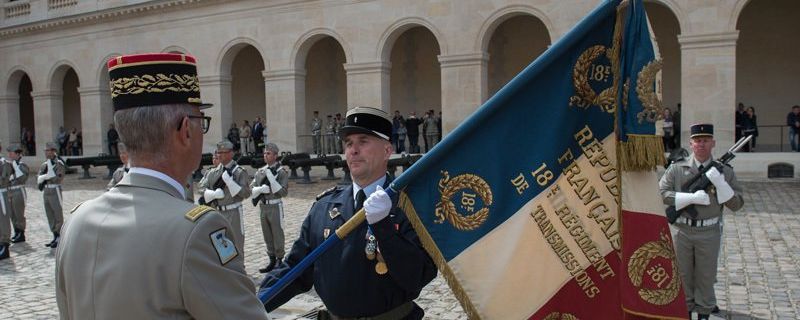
<point>638,262</point>
<point>560,316</point>
<point>641,153</point>
<point>446,209</point>
<point>158,83</point>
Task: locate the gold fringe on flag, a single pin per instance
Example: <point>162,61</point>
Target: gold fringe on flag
<point>641,153</point>
<point>405,204</point>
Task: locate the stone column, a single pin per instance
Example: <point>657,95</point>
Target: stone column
<point>216,90</point>
<point>96,114</point>
<point>368,84</point>
<point>464,87</point>
<point>48,109</point>
<point>708,85</point>
<point>9,120</point>
<point>286,109</point>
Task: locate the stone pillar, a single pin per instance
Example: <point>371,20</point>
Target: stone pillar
<point>9,120</point>
<point>708,85</point>
<point>286,109</point>
<point>368,84</point>
<point>216,90</point>
<point>48,109</point>
<point>96,114</point>
<point>464,87</point>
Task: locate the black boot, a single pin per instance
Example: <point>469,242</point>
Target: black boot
<point>53,244</point>
<point>4,251</point>
<point>19,236</point>
<point>272,262</point>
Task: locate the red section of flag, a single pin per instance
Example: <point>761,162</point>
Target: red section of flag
<point>650,284</point>
<point>573,299</point>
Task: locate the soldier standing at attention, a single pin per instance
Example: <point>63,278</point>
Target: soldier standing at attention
<point>121,171</point>
<point>378,270</point>
<point>330,131</point>
<point>5,210</point>
<point>140,251</point>
<point>51,174</point>
<point>16,192</point>
<point>225,187</point>
<point>698,240</point>
<point>316,128</point>
<point>270,184</point>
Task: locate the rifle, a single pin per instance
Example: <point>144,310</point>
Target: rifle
<point>256,200</point>
<point>219,184</point>
<point>701,182</point>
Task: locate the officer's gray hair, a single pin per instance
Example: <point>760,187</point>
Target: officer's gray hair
<point>144,130</point>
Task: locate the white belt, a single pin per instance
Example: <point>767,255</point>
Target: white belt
<point>273,201</point>
<point>229,207</point>
<point>698,222</point>
<point>53,186</point>
<point>16,187</point>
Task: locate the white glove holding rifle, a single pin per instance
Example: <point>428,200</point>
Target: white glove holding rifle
<point>724,190</point>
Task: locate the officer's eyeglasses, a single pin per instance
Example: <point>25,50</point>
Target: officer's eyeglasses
<point>205,122</point>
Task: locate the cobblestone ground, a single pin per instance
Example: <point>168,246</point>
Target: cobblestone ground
<point>758,277</point>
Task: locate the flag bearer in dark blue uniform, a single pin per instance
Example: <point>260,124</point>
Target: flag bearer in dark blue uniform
<point>380,268</point>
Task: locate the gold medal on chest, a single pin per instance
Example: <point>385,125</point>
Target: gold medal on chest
<point>381,268</point>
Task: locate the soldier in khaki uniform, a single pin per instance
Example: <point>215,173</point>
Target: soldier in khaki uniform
<point>140,251</point>
<point>5,210</point>
<point>270,184</point>
<point>698,240</point>
<point>51,174</point>
<point>116,177</point>
<point>16,192</point>
<point>225,187</point>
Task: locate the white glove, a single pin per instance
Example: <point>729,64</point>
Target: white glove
<point>232,186</point>
<point>273,182</point>
<point>377,206</point>
<point>17,171</point>
<point>41,179</point>
<point>260,189</point>
<point>684,199</point>
<point>211,195</point>
<point>724,190</point>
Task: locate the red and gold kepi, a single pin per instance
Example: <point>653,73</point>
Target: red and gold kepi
<point>153,79</point>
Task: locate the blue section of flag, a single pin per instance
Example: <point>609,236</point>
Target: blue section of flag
<point>527,125</point>
<point>637,52</point>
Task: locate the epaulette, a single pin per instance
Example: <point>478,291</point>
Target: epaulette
<point>197,212</point>
<point>327,192</point>
<point>76,206</point>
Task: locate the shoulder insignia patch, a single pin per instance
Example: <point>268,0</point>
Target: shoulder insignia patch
<point>76,206</point>
<point>225,248</point>
<point>197,212</point>
<point>326,192</point>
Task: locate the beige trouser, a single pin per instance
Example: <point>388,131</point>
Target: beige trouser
<point>697,249</point>
<point>52,207</point>
<point>17,197</point>
<point>272,228</point>
<point>234,216</point>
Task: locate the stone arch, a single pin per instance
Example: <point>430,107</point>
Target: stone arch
<point>57,72</point>
<point>665,25</point>
<point>736,13</point>
<point>300,51</point>
<point>175,49</point>
<point>14,77</point>
<point>231,49</point>
<point>102,71</point>
<point>390,35</point>
<point>503,14</point>
<point>20,113</point>
<point>676,10</point>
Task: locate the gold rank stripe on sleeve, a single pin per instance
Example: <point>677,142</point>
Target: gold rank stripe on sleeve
<point>197,212</point>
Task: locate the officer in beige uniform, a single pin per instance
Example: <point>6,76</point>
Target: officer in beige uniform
<point>225,187</point>
<point>270,184</point>
<point>5,210</point>
<point>51,174</point>
<point>697,242</point>
<point>116,177</point>
<point>140,251</point>
<point>16,192</point>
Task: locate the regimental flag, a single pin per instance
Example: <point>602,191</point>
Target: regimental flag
<point>519,205</point>
<point>650,284</point>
